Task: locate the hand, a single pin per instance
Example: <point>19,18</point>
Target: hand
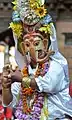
<point>16,76</point>
<point>5,77</point>
<point>10,77</point>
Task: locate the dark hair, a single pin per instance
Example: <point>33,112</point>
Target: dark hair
<point>7,37</point>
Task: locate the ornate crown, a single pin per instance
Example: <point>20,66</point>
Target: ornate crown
<point>30,13</point>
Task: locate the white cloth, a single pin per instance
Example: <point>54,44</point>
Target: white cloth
<point>1,61</point>
<point>12,51</point>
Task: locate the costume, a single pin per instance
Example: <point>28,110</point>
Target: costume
<point>32,28</point>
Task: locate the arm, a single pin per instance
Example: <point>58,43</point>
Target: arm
<point>7,95</point>
<point>53,80</point>
<point>6,86</point>
<point>10,96</point>
<point>10,90</point>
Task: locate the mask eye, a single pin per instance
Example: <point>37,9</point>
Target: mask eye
<point>36,43</point>
<point>27,44</point>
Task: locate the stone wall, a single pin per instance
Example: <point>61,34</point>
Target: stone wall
<point>5,14</point>
<point>64,34</point>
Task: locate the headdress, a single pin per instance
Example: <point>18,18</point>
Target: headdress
<point>31,13</point>
<point>31,16</point>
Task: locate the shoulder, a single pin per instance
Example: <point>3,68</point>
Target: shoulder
<point>55,67</point>
<point>59,59</point>
<point>55,64</point>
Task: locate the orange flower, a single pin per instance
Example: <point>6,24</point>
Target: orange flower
<point>25,72</point>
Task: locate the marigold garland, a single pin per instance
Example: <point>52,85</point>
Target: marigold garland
<point>33,110</point>
<point>26,92</point>
<point>42,69</point>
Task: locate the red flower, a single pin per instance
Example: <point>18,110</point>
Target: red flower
<point>70,89</point>
<point>8,113</point>
<point>1,113</point>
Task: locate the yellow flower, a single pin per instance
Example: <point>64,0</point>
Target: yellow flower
<point>15,4</point>
<point>15,7</point>
<point>17,28</point>
<point>46,112</point>
<point>37,6</point>
<point>35,3</point>
<point>33,6</point>
<point>41,11</point>
<point>46,29</point>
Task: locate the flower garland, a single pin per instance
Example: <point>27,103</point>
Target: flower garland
<point>31,110</point>
<point>35,112</point>
<point>26,92</point>
<point>42,69</point>
<point>17,28</point>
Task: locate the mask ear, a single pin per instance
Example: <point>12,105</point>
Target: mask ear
<point>45,42</point>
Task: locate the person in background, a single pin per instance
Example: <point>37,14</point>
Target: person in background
<point>2,51</point>
<point>5,112</point>
<point>7,37</point>
<point>12,58</point>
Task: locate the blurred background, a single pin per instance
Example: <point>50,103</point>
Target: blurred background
<point>61,12</point>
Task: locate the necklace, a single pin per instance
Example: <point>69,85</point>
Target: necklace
<point>31,110</point>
